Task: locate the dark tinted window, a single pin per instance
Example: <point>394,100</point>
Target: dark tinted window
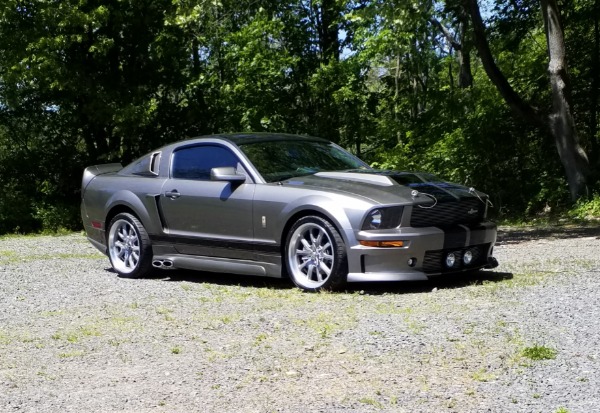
<point>142,167</point>
<point>196,162</point>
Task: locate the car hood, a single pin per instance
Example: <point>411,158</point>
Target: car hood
<point>387,187</point>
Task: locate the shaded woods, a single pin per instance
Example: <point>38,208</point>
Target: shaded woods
<point>502,96</point>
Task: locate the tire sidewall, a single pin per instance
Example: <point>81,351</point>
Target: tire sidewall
<point>339,270</point>
<point>144,265</point>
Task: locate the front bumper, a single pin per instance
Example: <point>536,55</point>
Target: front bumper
<point>424,253</point>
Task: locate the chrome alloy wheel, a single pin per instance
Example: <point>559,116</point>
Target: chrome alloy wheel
<point>124,246</point>
<point>311,255</point>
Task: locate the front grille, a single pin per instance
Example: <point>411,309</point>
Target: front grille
<point>435,261</point>
<point>464,211</point>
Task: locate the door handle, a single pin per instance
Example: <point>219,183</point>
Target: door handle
<point>174,194</point>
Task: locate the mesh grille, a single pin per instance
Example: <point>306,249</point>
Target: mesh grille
<point>434,261</point>
<point>465,211</point>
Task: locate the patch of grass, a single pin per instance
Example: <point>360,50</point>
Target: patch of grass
<point>393,308</point>
<point>371,402</point>
<point>45,375</point>
<point>260,339</point>
<point>562,410</point>
<point>537,352</point>
<point>4,338</point>
<point>176,350</point>
<point>483,375</point>
<point>327,323</point>
<point>9,256</point>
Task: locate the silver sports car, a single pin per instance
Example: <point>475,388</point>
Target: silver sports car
<point>280,205</point>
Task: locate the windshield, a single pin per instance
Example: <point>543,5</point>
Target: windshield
<point>278,160</point>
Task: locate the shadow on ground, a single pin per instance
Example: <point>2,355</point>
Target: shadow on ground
<point>514,235</point>
<point>450,281</point>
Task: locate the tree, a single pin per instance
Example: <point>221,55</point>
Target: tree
<point>560,123</point>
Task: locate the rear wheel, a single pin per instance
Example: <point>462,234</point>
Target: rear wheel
<point>316,255</point>
<point>129,247</point>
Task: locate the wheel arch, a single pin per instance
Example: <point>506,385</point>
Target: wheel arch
<point>116,210</point>
<point>312,211</point>
<point>126,201</point>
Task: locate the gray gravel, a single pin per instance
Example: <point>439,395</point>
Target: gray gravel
<point>75,337</point>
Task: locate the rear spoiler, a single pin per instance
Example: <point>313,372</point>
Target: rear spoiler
<point>91,172</point>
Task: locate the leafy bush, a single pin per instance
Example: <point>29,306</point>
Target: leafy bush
<point>586,209</point>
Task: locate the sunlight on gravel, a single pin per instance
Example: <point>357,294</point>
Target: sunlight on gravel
<point>75,337</point>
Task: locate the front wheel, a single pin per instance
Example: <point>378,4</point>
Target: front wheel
<point>316,255</point>
<point>129,247</point>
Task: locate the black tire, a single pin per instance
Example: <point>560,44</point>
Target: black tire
<point>129,246</point>
<point>315,255</point>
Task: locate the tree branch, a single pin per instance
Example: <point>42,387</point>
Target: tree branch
<point>510,96</point>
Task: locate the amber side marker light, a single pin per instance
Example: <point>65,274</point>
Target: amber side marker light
<point>382,244</point>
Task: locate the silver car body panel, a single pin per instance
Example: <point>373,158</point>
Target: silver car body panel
<point>241,227</point>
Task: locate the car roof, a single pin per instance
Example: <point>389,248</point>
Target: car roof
<point>254,137</point>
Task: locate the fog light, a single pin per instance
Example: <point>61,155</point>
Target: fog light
<point>450,260</point>
<point>468,257</point>
<point>412,262</point>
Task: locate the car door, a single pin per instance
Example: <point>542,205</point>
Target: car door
<point>204,216</point>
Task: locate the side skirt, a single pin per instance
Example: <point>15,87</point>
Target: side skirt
<point>220,265</point>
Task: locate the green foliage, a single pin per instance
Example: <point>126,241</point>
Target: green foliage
<point>84,83</point>
<point>538,352</point>
<point>586,209</point>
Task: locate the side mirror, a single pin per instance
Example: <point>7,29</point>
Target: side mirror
<point>228,174</point>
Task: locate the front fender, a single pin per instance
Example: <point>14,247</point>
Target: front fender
<point>344,218</point>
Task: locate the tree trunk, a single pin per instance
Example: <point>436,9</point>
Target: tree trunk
<point>465,75</point>
<point>595,87</point>
<point>560,123</point>
<point>327,13</point>
<point>463,52</point>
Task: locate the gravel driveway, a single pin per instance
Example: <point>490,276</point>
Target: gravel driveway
<point>525,337</point>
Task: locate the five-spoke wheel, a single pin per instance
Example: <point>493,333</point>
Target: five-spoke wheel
<point>129,246</point>
<point>316,255</point>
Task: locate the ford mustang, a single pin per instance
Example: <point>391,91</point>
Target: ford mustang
<point>280,205</point>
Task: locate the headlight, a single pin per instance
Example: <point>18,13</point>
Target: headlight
<point>373,220</point>
<point>382,218</point>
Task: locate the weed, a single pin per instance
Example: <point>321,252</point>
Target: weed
<point>176,350</point>
<point>260,338</point>
<point>586,209</point>
<point>483,375</point>
<point>562,410</point>
<point>4,339</point>
<point>46,375</point>
<point>539,353</point>
<point>371,402</point>
<point>163,310</point>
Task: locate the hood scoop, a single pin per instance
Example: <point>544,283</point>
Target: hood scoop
<point>374,179</point>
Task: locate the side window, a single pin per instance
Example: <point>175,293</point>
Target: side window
<point>146,166</point>
<point>196,162</point>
